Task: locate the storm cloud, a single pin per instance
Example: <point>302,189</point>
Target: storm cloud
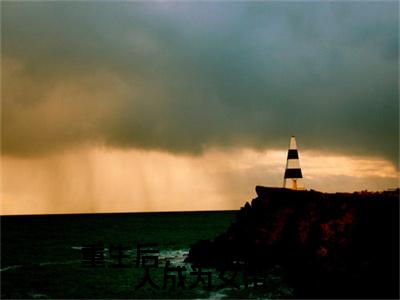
<point>183,77</point>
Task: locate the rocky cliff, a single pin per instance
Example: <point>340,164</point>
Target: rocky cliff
<point>338,245</point>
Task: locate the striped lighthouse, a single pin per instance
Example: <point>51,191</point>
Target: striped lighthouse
<point>293,170</point>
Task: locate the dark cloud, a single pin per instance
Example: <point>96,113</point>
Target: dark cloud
<point>183,77</point>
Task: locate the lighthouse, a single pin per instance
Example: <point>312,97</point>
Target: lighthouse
<point>293,170</point>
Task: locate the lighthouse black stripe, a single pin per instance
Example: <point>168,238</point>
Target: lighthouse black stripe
<point>292,154</point>
<point>293,173</point>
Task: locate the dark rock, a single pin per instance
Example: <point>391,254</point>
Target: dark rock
<point>329,245</point>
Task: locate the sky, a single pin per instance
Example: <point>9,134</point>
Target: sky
<point>170,106</point>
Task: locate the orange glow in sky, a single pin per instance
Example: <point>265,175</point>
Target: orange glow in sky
<point>107,180</point>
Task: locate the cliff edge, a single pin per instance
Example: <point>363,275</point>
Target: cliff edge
<point>341,245</point>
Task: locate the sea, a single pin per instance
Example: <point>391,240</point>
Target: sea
<point>94,256</point>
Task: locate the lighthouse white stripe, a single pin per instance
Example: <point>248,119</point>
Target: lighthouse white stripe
<point>293,164</point>
<point>293,144</point>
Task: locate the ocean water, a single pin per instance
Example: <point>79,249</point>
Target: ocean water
<point>41,256</point>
